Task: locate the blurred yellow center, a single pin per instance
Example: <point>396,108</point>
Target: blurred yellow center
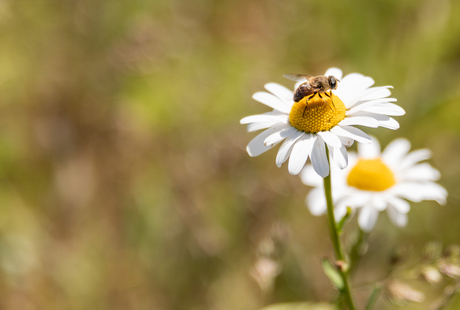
<point>317,114</point>
<point>371,175</point>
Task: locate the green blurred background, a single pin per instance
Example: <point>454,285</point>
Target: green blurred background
<point>125,183</point>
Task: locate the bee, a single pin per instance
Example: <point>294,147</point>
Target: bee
<point>313,85</point>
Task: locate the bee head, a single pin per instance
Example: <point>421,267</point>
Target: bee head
<point>333,81</point>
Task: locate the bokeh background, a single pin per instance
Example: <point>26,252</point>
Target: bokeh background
<point>124,180</point>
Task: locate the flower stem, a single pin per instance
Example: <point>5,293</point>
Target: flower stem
<point>374,296</point>
<point>335,237</point>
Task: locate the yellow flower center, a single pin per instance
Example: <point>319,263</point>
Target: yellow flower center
<point>317,114</point>
<point>371,175</point>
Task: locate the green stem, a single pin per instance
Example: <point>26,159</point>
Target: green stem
<point>374,296</point>
<point>335,236</point>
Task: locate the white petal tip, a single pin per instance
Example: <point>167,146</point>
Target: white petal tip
<point>366,229</point>
<point>249,152</point>
<point>294,172</point>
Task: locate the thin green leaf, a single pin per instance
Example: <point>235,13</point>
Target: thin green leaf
<point>343,220</point>
<point>374,296</point>
<point>332,274</point>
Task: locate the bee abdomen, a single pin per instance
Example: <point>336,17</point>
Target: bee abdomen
<point>298,95</point>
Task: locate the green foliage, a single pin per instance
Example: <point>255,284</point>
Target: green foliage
<point>332,274</point>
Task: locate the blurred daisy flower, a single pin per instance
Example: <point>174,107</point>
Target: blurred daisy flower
<point>307,128</point>
<point>375,181</point>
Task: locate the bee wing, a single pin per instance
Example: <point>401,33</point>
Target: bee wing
<point>297,77</point>
<point>289,98</point>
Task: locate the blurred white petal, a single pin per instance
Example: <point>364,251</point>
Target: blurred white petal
<point>369,150</point>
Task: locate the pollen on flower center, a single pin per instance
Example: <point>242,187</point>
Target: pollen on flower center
<point>371,175</point>
<point>317,114</point>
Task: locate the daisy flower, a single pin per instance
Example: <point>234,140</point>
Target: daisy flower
<point>375,181</point>
<point>307,128</point>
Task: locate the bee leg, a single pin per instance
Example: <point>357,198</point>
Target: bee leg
<point>306,104</point>
<point>325,100</point>
<point>330,96</point>
<point>328,102</point>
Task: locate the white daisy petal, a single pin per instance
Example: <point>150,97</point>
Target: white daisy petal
<point>420,172</point>
<point>360,120</point>
<point>316,202</point>
<point>352,79</point>
<point>433,191</point>
<point>367,218</point>
<point>369,94</point>
<point>340,211</point>
<point>279,91</point>
<point>417,192</point>
<point>340,156</point>
<point>351,132</point>
<point>335,72</point>
<point>272,101</point>
<point>264,118</point>
<point>356,82</point>
<point>379,92</point>
<point>257,146</point>
<point>330,139</point>
<point>395,151</point>
<point>369,150</point>
<point>397,218</point>
<point>379,203</point>
<point>357,199</point>
<point>360,105</point>
<point>300,152</point>
<point>437,193</point>
<point>408,191</point>
<point>284,132</point>
<point>365,83</point>
<point>376,93</point>
<point>346,141</point>
<point>389,123</point>
<point>319,158</point>
<point>383,120</point>
<point>258,126</point>
<point>309,177</point>
<point>386,109</point>
<point>399,204</point>
<point>285,149</point>
<point>415,157</point>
